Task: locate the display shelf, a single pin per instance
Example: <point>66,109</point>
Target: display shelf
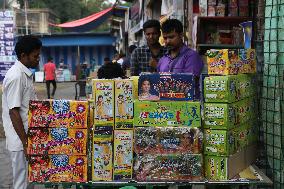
<point>224,19</point>
<point>220,46</point>
<point>262,180</point>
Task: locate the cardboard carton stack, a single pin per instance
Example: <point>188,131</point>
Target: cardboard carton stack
<point>167,135</point>
<point>57,141</point>
<point>112,129</point>
<point>229,113</point>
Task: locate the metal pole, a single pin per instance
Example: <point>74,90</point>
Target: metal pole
<point>26,17</point>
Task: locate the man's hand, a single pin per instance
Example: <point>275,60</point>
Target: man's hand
<point>153,63</point>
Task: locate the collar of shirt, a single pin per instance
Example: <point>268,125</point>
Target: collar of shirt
<point>23,68</point>
<point>183,49</point>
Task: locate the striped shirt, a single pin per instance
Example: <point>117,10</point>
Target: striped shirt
<point>140,58</point>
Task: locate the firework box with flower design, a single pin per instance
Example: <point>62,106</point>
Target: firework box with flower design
<point>247,60</point>
<point>103,91</point>
<point>58,168</point>
<point>170,167</point>
<point>167,86</point>
<point>57,141</point>
<point>219,142</point>
<point>123,155</point>
<point>167,113</point>
<point>124,104</point>
<point>58,113</point>
<point>168,140</point>
<point>102,162</point>
<point>226,167</point>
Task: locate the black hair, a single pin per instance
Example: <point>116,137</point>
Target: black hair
<point>172,25</point>
<point>131,48</point>
<point>152,24</point>
<point>100,96</point>
<point>49,59</point>
<point>27,44</point>
<point>120,95</point>
<point>106,59</point>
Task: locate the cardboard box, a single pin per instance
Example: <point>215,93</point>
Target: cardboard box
<point>219,142</point>
<point>229,88</point>
<point>167,86</point>
<point>170,167</point>
<point>102,136</point>
<point>167,114</point>
<point>57,141</point>
<point>102,162</point>
<point>124,104</point>
<point>123,155</point>
<point>168,140</point>
<point>58,113</point>
<point>135,86</point>
<point>221,89</point>
<point>58,168</point>
<point>203,7</point>
<point>231,61</point>
<point>104,101</point>
<point>226,167</point>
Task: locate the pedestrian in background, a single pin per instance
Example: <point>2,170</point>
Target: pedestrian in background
<point>126,60</point>
<point>18,90</point>
<point>49,72</point>
<point>145,58</point>
<point>110,70</point>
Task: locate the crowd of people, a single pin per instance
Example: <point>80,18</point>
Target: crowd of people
<point>18,87</point>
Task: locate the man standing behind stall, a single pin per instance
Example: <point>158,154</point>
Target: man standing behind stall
<point>179,58</point>
<point>145,58</point>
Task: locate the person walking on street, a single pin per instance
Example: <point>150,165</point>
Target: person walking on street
<point>49,72</point>
<point>18,90</point>
<point>179,58</point>
<point>145,58</point>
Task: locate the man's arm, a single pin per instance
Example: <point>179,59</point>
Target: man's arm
<point>134,63</point>
<point>18,126</point>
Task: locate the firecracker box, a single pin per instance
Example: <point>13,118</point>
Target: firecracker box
<point>58,113</point>
<point>219,142</point>
<point>221,89</point>
<point>220,115</point>
<point>124,104</point>
<point>231,61</point>
<point>241,135</point>
<point>165,113</point>
<point>102,136</point>
<point>123,155</point>
<point>203,7</point>
<point>229,88</point>
<point>57,141</point>
<point>222,61</point>
<point>223,168</point>
<point>246,110</point>
<point>58,168</point>
<point>170,167</point>
<point>247,60</point>
<point>167,140</point>
<point>135,86</point>
<point>102,162</point>
<point>103,92</point>
<point>167,86</point>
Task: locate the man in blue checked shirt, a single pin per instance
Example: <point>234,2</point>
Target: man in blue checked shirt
<point>146,58</point>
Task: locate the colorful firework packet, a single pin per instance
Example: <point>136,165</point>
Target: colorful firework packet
<point>57,141</point>
<point>165,114</point>
<point>167,86</point>
<point>123,155</point>
<point>124,104</point>
<point>58,113</point>
<point>168,140</point>
<point>174,167</point>
<point>58,168</point>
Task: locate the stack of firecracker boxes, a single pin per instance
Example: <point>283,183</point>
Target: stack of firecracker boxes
<point>230,112</point>
<point>57,141</point>
<point>168,141</point>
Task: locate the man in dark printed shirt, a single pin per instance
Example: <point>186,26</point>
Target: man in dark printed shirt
<point>146,58</point>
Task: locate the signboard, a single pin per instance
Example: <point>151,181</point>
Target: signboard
<point>7,56</point>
